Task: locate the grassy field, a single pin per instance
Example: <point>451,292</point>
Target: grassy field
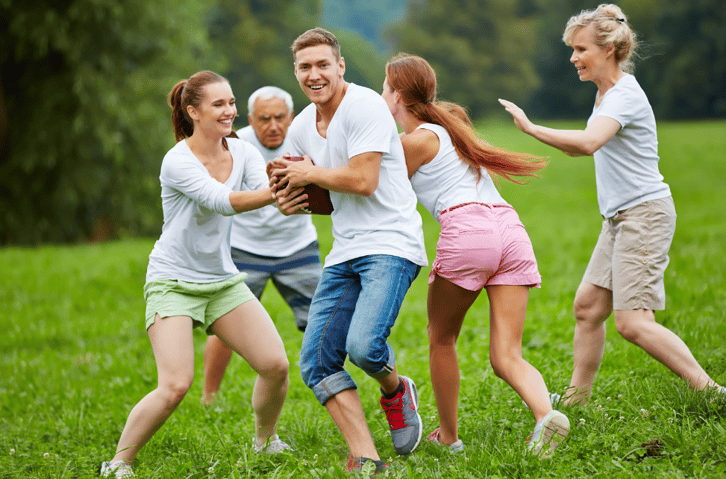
<point>74,356</point>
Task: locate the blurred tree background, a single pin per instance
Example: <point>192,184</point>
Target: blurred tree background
<point>84,122</point>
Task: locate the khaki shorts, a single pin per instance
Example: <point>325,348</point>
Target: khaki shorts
<point>203,302</point>
<point>631,255</point>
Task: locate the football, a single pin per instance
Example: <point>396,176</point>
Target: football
<point>318,198</point>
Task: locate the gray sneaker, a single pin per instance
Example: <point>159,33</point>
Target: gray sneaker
<point>403,418</point>
<point>272,446</point>
<point>549,433</point>
<point>118,469</point>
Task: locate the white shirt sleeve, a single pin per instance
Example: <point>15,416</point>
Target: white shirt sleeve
<point>255,175</point>
<point>619,105</point>
<point>190,178</point>
<point>366,130</point>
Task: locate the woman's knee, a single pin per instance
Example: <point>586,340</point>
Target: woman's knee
<point>593,304</point>
<point>589,312</point>
<point>175,388</point>
<point>503,362</point>
<point>438,338</point>
<point>276,368</point>
<point>628,326</point>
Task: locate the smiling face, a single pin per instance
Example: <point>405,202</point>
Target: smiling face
<point>319,73</point>
<point>216,110</point>
<point>270,120</point>
<point>590,59</point>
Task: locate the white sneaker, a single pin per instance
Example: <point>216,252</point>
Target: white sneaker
<point>549,433</point>
<point>118,469</point>
<point>455,448</point>
<point>272,446</point>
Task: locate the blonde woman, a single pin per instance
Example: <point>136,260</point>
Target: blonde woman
<point>626,270</point>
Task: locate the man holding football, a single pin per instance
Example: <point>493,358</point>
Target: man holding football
<point>266,244</point>
<point>378,247</point>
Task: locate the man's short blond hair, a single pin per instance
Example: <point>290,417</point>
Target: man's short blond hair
<point>316,36</point>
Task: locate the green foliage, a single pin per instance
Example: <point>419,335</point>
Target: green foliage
<point>683,70</point>
<point>366,18</point>
<point>480,50</point>
<point>84,86</point>
<point>682,65</point>
<point>254,39</point>
<point>561,93</point>
<point>364,64</point>
<point>75,358</point>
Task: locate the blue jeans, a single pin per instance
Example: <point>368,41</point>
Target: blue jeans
<point>354,307</point>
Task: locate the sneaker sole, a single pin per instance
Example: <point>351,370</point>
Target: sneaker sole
<point>414,394</point>
<point>554,432</point>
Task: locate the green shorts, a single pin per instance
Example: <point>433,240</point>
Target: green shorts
<point>203,302</point>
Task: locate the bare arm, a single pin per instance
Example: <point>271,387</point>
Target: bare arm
<point>571,142</point>
<point>359,176</point>
<point>419,147</point>
<point>251,200</point>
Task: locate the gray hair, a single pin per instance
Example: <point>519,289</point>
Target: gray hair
<point>267,92</point>
<point>611,28</point>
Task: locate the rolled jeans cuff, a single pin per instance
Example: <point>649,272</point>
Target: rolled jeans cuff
<point>387,368</point>
<point>332,385</point>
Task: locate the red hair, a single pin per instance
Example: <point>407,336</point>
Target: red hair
<point>414,79</point>
<point>190,92</point>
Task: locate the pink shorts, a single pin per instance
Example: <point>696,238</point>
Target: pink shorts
<point>482,245</point>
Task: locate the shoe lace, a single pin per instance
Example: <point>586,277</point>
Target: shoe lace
<point>434,436</point>
<point>394,411</point>
<point>529,438</point>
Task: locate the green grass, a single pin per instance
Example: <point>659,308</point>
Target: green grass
<point>74,356</point>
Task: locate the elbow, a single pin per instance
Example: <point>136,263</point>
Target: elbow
<point>367,188</point>
<point>588,150</point>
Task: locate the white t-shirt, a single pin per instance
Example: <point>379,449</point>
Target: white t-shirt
<point>626,167</point>
<point>447,181</point>
<point>266,231</point>
<point>387,222</point>
<point>194,243</point>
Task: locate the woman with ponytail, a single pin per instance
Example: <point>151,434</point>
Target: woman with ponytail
<point>627,267</point>
<point>482,245</point>
<point>191,280</point>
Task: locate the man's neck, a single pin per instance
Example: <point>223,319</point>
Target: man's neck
<point>327,110</point>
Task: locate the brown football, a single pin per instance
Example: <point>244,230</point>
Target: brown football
<point>318,198</point>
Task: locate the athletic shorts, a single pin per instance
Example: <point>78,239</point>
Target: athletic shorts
<point>482,245</point>
<point>631,255</point>
<point>295,277</point>
<point>203,302</point>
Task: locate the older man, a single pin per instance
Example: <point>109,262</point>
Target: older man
<point>266,244</point>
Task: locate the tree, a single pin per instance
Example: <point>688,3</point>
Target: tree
<point>481,49</point>
<point>253,39</point>
<point>84,86</point>
<point>683,69</point>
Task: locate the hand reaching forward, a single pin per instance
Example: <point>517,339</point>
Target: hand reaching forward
<point>520,119</point>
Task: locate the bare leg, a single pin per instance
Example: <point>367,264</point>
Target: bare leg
<point>171,340</point>
<point>250,332</point>
<point>508,307</point>
<point>347,412</point>
<point>447,307</point>
<point>593,306</point>
<point>391,382</point>
<point>216,358</point>
<point>639,327</point>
